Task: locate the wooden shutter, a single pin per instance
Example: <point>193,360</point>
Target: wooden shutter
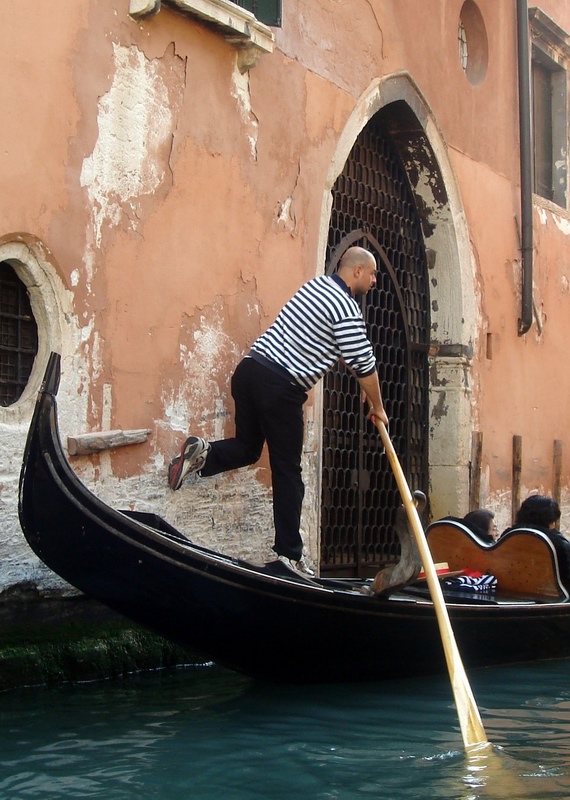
<point>266,11</point>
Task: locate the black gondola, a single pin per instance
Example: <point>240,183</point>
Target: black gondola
<point>257,620</point>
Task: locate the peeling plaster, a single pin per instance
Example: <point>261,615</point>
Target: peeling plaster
<point>197,398</point>
<point>242,93</point>
<point>440,408</point>
<point>285,211</point>
<point>562,224</point>
<point>89,264</point>
<point>135,121</point>
<point>129,161</point>
<point>286,219</point>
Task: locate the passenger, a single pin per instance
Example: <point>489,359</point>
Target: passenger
<point>543,513</point>
<point>482,522</point>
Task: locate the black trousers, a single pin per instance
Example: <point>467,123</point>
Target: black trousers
<point>268,408</point>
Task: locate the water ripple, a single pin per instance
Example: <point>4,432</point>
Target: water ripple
<point>207,734</point>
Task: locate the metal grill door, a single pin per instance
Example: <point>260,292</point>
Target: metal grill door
<point>373,207</point>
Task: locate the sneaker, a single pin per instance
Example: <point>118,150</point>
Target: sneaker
<point>301,566</point>
<point>193,455</point>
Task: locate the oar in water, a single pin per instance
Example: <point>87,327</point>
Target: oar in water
<point>469,718</point>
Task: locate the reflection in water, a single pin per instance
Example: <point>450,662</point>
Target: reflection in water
<point>207,733</point>
<point>531,732</point>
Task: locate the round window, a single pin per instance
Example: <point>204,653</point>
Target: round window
<point>473,44</point>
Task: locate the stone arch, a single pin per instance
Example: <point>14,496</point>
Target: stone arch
<point>451,270</point>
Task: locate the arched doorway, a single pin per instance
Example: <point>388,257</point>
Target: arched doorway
<point>373,205</point>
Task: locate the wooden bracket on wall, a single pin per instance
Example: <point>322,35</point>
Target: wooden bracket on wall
<point>475,470</point>
<point>86,443</point>
<point>557,470</point>
<point>517,470</point>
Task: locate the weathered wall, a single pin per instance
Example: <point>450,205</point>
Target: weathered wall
<point>182,202</point>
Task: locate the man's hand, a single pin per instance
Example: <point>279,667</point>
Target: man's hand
<point>378,414</point>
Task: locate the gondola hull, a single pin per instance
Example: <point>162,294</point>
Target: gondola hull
<point>256,620</point>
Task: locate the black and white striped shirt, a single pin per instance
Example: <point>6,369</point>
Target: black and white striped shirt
<point>321,323</point>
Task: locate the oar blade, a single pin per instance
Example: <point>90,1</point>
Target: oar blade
<point>472,729</point>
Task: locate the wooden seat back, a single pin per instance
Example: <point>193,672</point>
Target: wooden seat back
<point>524,560</point>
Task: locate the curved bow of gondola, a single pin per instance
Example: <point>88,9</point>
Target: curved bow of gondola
<point>44,420</point>
<point>54,506</point>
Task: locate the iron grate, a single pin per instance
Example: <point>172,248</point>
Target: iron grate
<point>18,336</point>
<point>373,206</point>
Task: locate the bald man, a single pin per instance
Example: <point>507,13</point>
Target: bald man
<point>321,324</point>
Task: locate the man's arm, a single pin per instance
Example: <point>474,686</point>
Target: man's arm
<point>370,385</point>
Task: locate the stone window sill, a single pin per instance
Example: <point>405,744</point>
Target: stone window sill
<point>239,26</point>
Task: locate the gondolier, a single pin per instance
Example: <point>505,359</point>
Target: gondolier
<point>321,324</point>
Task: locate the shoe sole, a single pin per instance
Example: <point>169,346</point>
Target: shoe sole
<point>176,473</point>
<point>179,467</point>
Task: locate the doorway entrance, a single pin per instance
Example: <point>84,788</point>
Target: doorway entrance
<point>373,206</point>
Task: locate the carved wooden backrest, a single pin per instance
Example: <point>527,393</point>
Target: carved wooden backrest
<point>524,560</point>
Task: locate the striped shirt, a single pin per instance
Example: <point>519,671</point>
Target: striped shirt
<point>321,323</point>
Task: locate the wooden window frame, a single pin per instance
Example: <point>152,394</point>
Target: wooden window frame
<point>550,59</point>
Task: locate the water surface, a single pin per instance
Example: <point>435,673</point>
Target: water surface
<point>208,734</point>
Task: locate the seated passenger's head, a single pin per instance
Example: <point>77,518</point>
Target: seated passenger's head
<point>539,510</point>
<point>482,519</point>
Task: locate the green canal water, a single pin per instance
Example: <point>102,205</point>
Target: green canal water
<point>203,733</point>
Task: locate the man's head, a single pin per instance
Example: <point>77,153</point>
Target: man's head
<point>357,268</point>
<point>539,510</point>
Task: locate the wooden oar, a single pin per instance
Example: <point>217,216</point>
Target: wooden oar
<point>469,719</point>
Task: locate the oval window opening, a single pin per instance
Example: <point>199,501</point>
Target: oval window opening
<point>473,43</point>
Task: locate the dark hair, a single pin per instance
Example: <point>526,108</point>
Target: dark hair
<point>538,510</point>
<point>481,518</point>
